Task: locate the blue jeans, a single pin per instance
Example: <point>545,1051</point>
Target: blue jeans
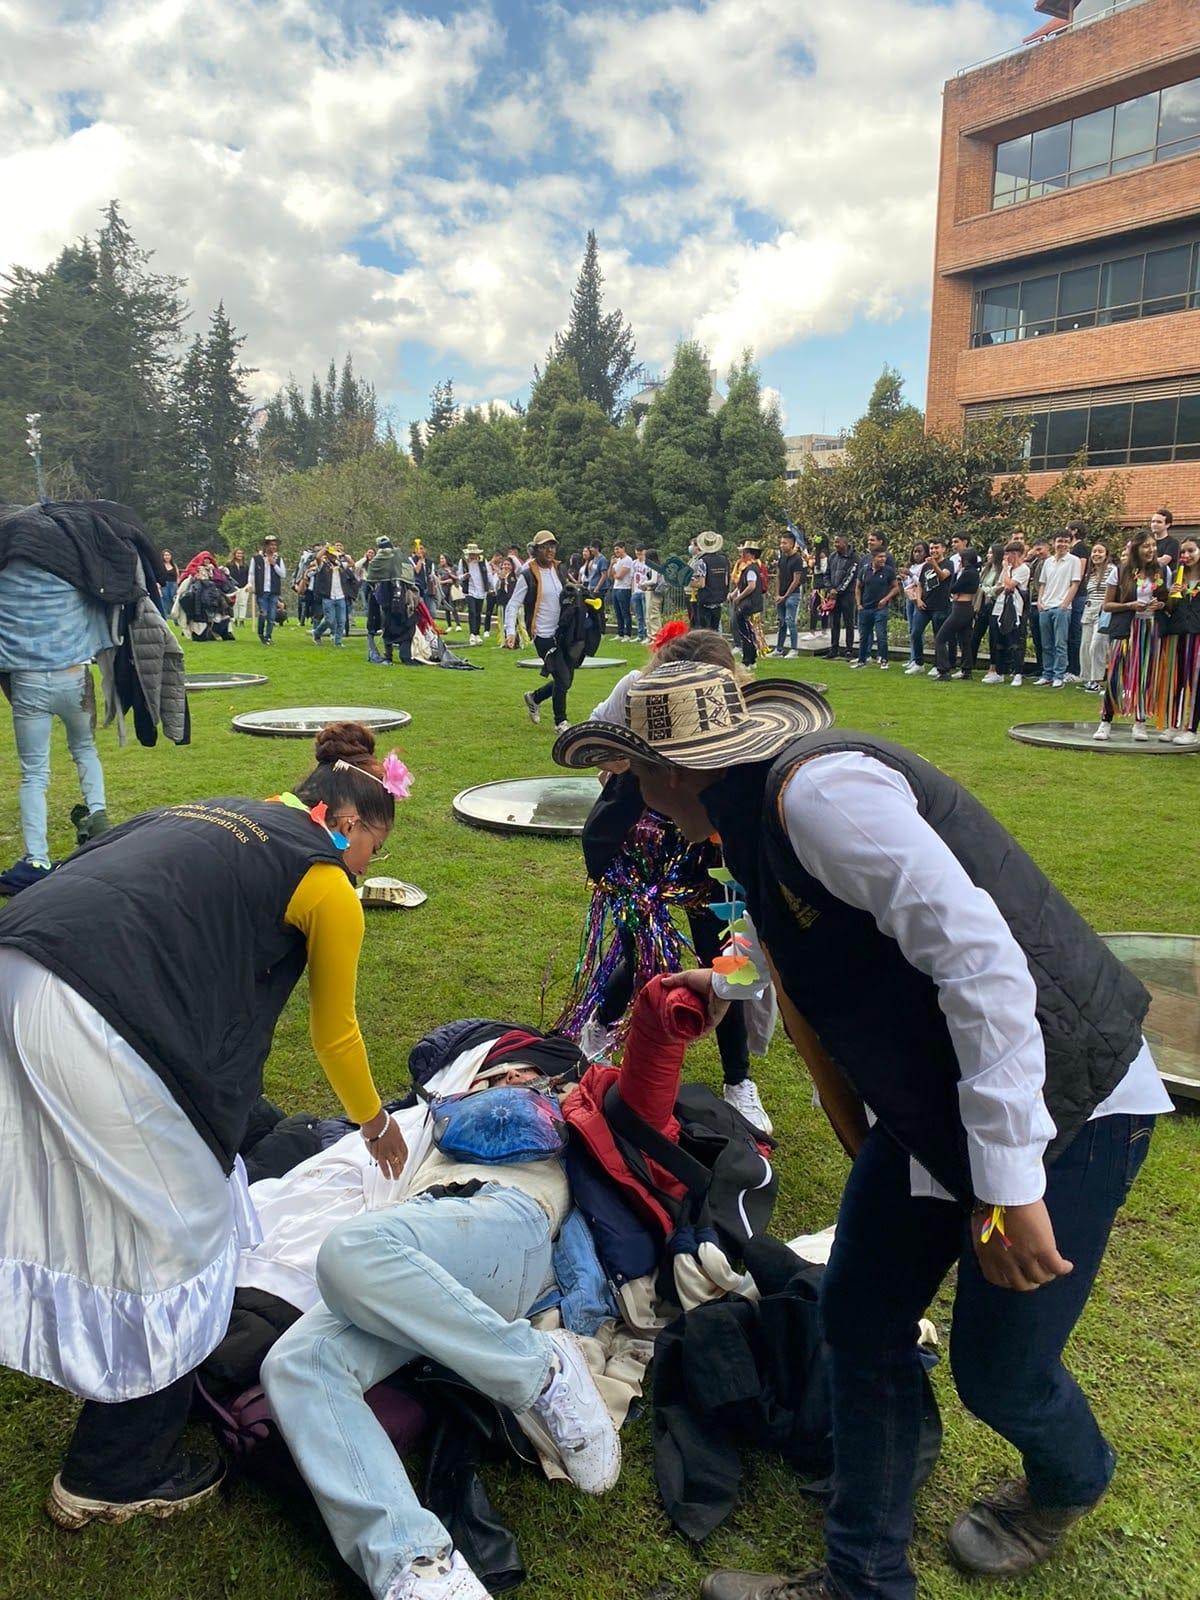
<point>333,620</point>
<point>265,605</point>
<point>37,698</point>
<point>787,622</point>
<point>872,623</point>
<point>890,1255</point>
<point>1054,628</point>
<point>621,605</point>
<point>1075,632</point>
<point>918,620</point>
<point>639,612</point>
<point>447,1278</point>
<point>167,597</point>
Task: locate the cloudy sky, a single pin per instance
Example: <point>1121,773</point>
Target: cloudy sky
<point>414,182</point>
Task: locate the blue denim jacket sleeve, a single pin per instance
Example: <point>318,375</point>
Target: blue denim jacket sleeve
<point>585,1299</point>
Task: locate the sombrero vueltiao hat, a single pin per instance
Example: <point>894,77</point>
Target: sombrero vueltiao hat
<point>695,715</point>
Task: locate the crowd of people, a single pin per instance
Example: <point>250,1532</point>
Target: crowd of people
<point>530,1193</point>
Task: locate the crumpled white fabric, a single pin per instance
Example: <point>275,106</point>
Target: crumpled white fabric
<point>119,1231</point>
<point>299,1211</point>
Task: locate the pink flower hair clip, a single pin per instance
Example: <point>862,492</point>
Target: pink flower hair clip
<point>397,779</point>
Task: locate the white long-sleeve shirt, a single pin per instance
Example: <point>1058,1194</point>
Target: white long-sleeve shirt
<point>545,618</point>
<point>854,825</point>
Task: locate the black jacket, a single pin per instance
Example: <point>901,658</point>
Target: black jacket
<point>843,569</point>
<point>322,581</point>
<point>96,546</point>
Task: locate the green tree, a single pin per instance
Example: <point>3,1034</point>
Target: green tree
<point>558,385</point>
<point>224,417</point>
<point>750,451</point>
<point>680,441</point>
<point>515,518</point>
<point>617,502</point>
<point>482,451</point>
<point>600,343</point>
<point>245,527</point>
<point>443,413</point>
<point>887,404</point>
<point>338,420</point>
<point>416,442</point>
<point>575,438</point>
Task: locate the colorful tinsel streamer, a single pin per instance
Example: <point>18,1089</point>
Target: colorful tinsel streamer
<point>654,874</point>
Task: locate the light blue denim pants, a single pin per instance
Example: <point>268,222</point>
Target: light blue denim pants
<point>37,698</point>
<point>449,1278</point>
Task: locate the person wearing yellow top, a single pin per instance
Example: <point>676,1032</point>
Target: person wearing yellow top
<point>137,1010</point>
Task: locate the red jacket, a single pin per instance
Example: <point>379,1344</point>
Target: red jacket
<point>665,1022</point>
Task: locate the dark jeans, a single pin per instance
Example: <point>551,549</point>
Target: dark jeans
<point>918,620</point>
<point>732,1043</point>
<point>842,615</point>
<point>560,679</point>
<point>474,615</point>
<point>120,1452</point>
<point>890,1255</point>
<point>955,633</point>
<point>1075,632</point>
<point>743,632</point>
<point>623,606</point>
<point>708,617</point>
<point>983,618</point>
<point>872,623</point>
<point>1008,649</point>
<point>264,604</point>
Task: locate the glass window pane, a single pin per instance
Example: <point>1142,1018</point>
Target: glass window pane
<point>998,314</point>
<point>1195,281</point>
<point>1087,175</point>
<point>1182,147</point>
<point>1038,299</point>
<point>1108,429</point>
<point>1136,128</point>
<point>1051,148</point>
<point>1090,8</point>
<point>1128,163</point>
<point>1091,140</point>
<point>1188,430</point>
<point>1179,115</point>
<point>1066,435</point>
<point>1012,162</point>
<point>1153,431</point>
<point>1078,290</point>
<point>1167,271</point>
<point>1037,437</point>
<point>1120,285</point>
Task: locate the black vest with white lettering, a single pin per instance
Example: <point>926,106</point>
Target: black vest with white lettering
<point>878,1016</point>
<point>172,927</point>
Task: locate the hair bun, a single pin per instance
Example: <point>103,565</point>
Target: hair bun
<point>344,741</point>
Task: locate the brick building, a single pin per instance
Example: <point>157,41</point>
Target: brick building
<point>1067,258</point>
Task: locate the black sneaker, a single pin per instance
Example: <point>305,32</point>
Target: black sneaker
<point>196,1479</point>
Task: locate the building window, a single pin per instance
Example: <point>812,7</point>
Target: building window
<point>1138,425</point>
<point>1096,293</point>
<point>1116,139</point>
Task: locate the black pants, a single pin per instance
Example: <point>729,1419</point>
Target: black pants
<point>474,615</point>
<point>1008,649</point>
<point>954,632</point>
<point>121,1452</point>
<point>489,607</point>
<point>983,618</point>
<point>708,616</point>
<point>560,679</point>
<point>744,626</point>
<point>842,615</point>
<point>732,1042</point>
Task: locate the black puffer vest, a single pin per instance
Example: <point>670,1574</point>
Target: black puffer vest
<point>878,1016</point>
<point>715,589</point>
<point>172,927</point>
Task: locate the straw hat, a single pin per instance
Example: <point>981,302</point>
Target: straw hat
<point>472,549</point>
<point>695,715</point>
<point>543,536</point>
<point>752,548</point>
<point>709,543</point>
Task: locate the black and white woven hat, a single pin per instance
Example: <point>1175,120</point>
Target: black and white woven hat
<point>692,714</point>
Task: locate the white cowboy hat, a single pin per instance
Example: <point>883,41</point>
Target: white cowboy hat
<point>708,543</point>
<point>696,715</point>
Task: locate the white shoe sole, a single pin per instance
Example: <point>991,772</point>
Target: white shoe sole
<point>75,1511</point>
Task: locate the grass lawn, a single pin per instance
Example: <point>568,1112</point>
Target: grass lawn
<point>503,918</point>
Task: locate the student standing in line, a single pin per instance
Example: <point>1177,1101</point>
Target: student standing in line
<point>1165,542</point>
<point>1058,580</point>
<point>621,574</point>
<point>643,583</point>
<point>989,584</point>
<point>1181,649</point>
<point>1006,630</point>
<point>1081,549</point>
<point>873,595</point>
<point>166,594</point>
<point>935,589</point>
<point>915,614</point>
<point>843,573</point>
<point>1099,576</point>
<point>1133,604</point>
<point>956,631</point>
<point>1038,551</point>
<point>789,590</point>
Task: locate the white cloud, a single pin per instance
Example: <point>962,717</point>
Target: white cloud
<point>758,170</point>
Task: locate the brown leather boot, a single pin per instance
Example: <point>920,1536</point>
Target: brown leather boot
<point>1003,1533</point>
<point>764,1586</point>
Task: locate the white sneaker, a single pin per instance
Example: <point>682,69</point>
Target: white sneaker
<point>572,1412</point>
<point>533,707</point>
<point>884,665</point>
<point>808,636</point>
<point>1167,736</point>
<point>1018,680</point>
<point>561,727</point>
<point>792,655</point>
<point>744,1097</point>
<point>992,676</point>
<point>932,673</point>
<point>1041,683</point>
<point>1058,683</point>
<point>1140,732</point>
<point>913,666</point>
<point>1186,739</point>
<point>961,676</point>
<point>447,1579</point>
<point>1072,677</point>
<point>854,665</point>
<point>1104,731</point>
<point>474,639</point>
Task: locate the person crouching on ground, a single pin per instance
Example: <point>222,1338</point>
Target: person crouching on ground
<point>123,1201</point>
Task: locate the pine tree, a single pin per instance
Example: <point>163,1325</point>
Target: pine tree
<point>482,452</point>
<point>680,439</point>
<point>617,502</point>
<point>887,405</point>
<point>558,385</point>
<point>416,442</point>
<point>225,417</point>
<point>750,452</point>
<point>601,345</point>
<point>443,413</point>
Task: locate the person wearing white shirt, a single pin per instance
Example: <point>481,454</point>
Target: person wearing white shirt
<point>1057,582</point>
<point>991,1082</point>
<point>475,577</point>
<point>621,573</point>
<point>267,573</point>
<point>644,579</point>
<point>538,591</point>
